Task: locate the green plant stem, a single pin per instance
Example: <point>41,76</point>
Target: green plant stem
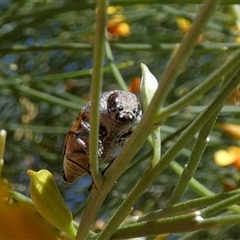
<point>211,25</point>
<point>37,128</point>
<point>179,59</point>
<point>22,199</point>
<point>185,223</point>
<point>90,213</point>
<point>198,187</point>
<point>47,97</point>
<point>156,142</point>
<point>127,3</point>
<point>188,206</point>
<point>19,48</point>
<point>151,174</point>
<point>203,47</point>
<point>225,109</point>
<point>96,85</point>
<point>220,202</point>
<point>96,89</point>
<point>196,155</point>
<point>229,67</point>
<point>80,73</point>
<point>61,93</point>
<point>221,205</point>
<point>114,67</point>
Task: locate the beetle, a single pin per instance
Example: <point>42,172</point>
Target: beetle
<point>120,111</point>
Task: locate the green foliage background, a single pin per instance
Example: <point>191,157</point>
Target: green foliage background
<point>46,57</point>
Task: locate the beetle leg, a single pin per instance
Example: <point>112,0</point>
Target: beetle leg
<point>123,139</point>
<point>79,136</point>
<point>106,168</point>
<point>85,125</point>
<point>100,148</point>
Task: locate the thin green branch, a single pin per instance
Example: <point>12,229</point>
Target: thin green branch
<point>90,213</point>
<point>96,85</point>
<point>114,67</point>
<point>198,187</point>
<point>179,59</point>
<point>96,89</point>
<point>19,48</point>
<point>50,88</point>
<point>203,47</point>
<point>47,97</point>
<point>80,73</point>
<point>36,128</point>
<point>220,202</point>
<point>211,25</point>
<point>229,67</point>
<point>196,155</point>
<point>188,206</point>
<point>22,199</point>
<point>225,109</point>
<point>184,223</point>
<point>132,2</point>
<point>61,93</point>
<point>220,205</point>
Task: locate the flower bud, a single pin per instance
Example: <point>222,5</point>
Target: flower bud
<point>148,87</point>
<point>49,202</point>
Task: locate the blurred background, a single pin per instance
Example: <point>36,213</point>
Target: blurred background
<point>45,74</point>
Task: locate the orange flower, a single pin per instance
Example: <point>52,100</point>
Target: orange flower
<point>18,221</point>
<point>119,30</point>
<point>117,27</point>
<point>134,85</point>
<point>232,130</point>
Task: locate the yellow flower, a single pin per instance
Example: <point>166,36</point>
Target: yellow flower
<point>230,156</point>
<point>184,25</point>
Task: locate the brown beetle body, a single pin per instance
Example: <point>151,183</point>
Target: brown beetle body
<point>119,112</point>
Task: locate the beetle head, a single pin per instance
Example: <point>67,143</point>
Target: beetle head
<point>124,107</point>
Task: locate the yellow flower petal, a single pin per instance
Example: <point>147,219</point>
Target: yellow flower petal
<point>224,158</point>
